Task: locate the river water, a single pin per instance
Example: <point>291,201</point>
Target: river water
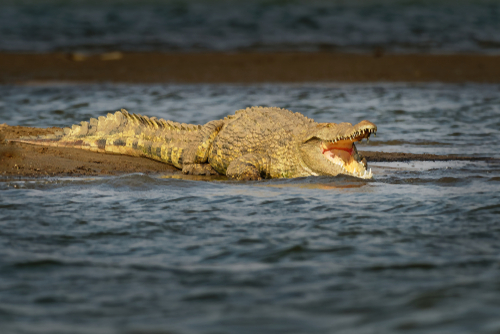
<point>415,250</point>
<point>407,26</point>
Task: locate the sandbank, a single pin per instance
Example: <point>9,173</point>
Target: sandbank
<point>25,160</point>
<point>152,67</point>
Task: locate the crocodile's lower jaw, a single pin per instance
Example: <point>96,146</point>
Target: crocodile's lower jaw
<point>341,155</point>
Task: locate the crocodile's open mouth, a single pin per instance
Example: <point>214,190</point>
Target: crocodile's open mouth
<point>343,153</point>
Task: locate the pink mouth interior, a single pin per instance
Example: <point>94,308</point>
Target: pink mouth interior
<point>348,150</point>
<point>341,153</point>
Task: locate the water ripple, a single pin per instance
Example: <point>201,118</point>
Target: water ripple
<point>414,248</point>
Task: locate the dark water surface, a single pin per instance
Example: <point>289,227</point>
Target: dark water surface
<point>436,26</point>
<point>416,250</point>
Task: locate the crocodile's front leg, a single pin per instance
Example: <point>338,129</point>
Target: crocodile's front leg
<point>249,167</point>
<point>195,157</point>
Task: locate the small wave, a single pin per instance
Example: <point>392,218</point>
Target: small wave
<point>137,181</point>
<point>446,181</point>
<point>405,266</point>
<point>495,208</point>
<point>185,199</point>
<point>206,296</point>
<point>38,263</point>
<point>402,142</point>
<point>108,234</point>
<point>301,251</point>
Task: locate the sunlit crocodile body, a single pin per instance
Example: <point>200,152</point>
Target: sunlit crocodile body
<point>252,144</point>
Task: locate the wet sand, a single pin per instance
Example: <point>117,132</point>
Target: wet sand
<point>18,159</point>
<point>24,160</point>
<point>247,67</point>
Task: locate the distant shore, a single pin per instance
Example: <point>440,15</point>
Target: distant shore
<point>246,68</point>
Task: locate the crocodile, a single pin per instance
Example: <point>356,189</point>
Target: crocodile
<point>252,144</point>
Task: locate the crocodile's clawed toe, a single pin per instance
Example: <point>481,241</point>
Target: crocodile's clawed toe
<point>199,169</point>
<point>247,177</point>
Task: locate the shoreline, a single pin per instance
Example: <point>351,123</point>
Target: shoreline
<point>286,67</point>
<point>25,160</point>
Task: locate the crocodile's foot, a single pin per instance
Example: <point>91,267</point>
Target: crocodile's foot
<point>250,167</point>
<point>199,169</point>
<point>246,176</point>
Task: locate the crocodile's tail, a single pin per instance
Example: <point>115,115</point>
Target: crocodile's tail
<point>124,133</point>
<point>90,136</point>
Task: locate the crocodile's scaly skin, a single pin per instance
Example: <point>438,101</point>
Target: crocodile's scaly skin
<point>254,143</point>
